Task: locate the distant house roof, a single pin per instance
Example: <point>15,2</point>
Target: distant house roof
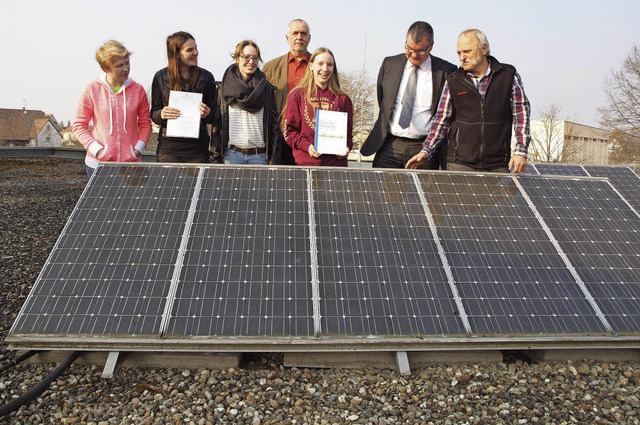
<point>37,125</point>
<point>22,124</point>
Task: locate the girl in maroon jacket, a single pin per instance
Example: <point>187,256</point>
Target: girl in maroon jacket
<point>319,89</point>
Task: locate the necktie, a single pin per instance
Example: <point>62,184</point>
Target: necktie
<point>407,99</point>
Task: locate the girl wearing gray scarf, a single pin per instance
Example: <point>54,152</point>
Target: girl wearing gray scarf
<point>250,116</point>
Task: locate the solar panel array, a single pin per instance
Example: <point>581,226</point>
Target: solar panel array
<point>600,235</point>
<point>182,253</point>
<point>622,178</point>
<point>510,276</point>
<point>246,269</point>
<point>598,226</point>
<point>110,271</point>
<point>378,264</point>
<point>561,169</point>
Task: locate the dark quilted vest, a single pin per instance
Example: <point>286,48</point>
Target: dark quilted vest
<point>480,133</point>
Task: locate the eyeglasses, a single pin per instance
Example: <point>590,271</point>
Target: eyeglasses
<point>247,59</point>
<point>416,52</point>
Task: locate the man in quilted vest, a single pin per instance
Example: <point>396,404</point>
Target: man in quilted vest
<point>482,104</point>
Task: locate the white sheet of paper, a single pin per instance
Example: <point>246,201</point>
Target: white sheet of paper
<point>188,123</point>
<point>331,132</point>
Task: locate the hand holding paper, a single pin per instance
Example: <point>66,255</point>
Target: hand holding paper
<point>169,113</point>
<point>187,123</point>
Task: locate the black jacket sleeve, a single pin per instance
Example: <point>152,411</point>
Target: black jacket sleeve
<point>158,99</point>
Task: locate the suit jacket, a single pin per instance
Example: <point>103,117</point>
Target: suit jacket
<point>276,72</point>
<point>388,84</point>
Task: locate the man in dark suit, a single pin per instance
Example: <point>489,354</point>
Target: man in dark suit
<point>409,87</point>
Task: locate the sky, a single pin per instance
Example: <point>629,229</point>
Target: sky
<point>563,50</point>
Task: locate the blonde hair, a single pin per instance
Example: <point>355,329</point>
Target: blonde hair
<point>308,82</point>
<point>110,52</point>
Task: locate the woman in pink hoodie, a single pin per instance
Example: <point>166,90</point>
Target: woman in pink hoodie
<point>118,109</point>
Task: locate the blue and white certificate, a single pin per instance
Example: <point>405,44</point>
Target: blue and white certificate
<point>331,132</point>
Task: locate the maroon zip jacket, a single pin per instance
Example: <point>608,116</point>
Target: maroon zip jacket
<point>300,124</point>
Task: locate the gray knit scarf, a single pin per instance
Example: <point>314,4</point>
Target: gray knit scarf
<point>250,95</point>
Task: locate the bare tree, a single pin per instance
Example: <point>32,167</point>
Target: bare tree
<point>625,149</point>
<point>547,139</point>
<point>361,90</point>
<point>622,90</point>
<point>621,114</point>
<point>554,139</point>
<point>559,140</point>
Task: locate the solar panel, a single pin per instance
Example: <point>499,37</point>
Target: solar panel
<point>510,277</point>
<point>246,270</point>
<point>379,271</point>
<point>228,253</point>
<point>622,178</point>
<point>561,169</point>
<point>110,270</point>
<point>600,234</point>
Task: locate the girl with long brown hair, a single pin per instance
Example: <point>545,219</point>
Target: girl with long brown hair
<point>183,74</point>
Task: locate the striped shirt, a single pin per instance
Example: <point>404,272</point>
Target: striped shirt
<point>245,128</point>
<point>520,109</point>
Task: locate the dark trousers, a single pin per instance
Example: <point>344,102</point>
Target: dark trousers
<point>397,151</point>
<point>282,152</point>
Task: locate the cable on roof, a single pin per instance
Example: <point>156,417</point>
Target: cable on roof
<point>40,387</point>
<point>11,363</point>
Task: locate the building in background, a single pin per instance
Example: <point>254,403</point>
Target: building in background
<point>24,127</point>
<point>568,142</point>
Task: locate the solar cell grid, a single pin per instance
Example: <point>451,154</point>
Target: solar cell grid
<point>379,272</point>
<point>531,169</point>
<point>247,266</point>
<point>509,276</point>
<point>622,178</point>
<point>601,236</point>
<point>293,252</point>
<point>109,273</point>
<point>561,169</point>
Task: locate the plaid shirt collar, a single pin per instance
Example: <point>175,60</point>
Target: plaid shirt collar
<point>483,82</point>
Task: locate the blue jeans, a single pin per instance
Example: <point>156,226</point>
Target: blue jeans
<point>233,157</point>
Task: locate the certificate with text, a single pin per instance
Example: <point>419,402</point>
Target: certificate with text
<point>188,123</point>
<point>331,132</point>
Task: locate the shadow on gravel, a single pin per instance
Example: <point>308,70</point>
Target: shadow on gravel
<point>514,356</point>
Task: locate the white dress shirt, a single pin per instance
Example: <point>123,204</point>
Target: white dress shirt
<point>421,104</point>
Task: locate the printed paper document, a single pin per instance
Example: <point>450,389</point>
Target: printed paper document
<point>188,123</point>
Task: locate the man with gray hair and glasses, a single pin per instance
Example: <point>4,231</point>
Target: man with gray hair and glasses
<point>482,103</point>
<point>408,88</point>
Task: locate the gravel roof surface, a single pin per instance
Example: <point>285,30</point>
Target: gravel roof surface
<point>37,196</point>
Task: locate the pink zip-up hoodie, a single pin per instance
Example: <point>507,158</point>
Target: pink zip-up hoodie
<point>121,121</point>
